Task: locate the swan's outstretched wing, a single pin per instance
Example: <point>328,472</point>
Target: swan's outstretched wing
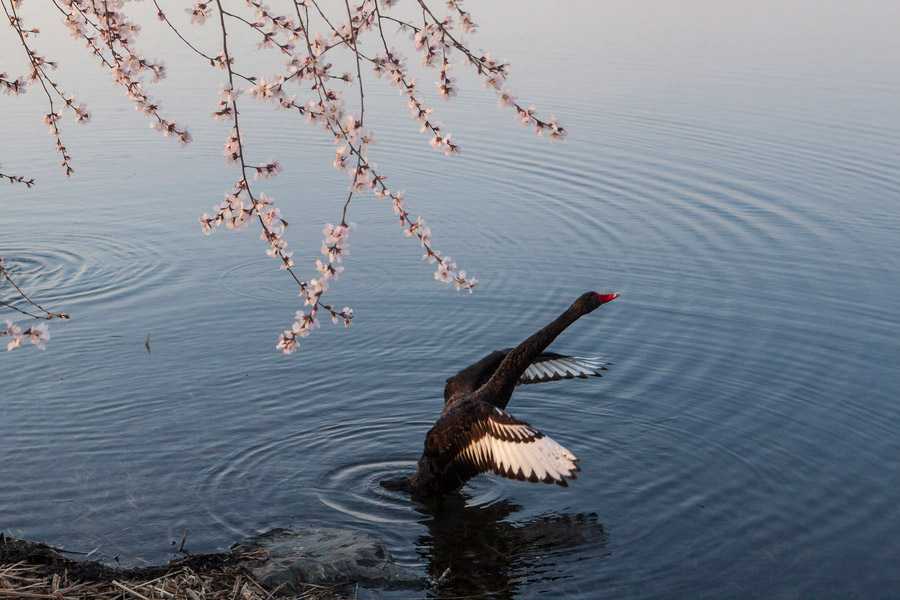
<point>550,366</point>
<point>479,437</point>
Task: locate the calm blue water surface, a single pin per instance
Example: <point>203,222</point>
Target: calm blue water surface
<point>733,172</point>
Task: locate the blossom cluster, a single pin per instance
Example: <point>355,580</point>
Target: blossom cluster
<point>307,85</point>
<point>36,334</point>
<point>12,87</point>
<point>334,245</point>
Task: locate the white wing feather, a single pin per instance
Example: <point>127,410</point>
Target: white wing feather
<point>518,451</point>
<point>562,367</point>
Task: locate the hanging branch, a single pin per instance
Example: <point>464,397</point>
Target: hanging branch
<point>307,39</point>
<point>37,334</point>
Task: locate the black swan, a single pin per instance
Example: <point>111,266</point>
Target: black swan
<point>474,433</point>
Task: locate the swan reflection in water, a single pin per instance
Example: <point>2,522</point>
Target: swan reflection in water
<point>478,551</point>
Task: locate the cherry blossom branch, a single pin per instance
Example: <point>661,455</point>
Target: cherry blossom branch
<point>38,74</point>
<point>354,139</point>
<point>160,15</point>
<point>17,178</point>
<point>213,60</point>
<point>114,29</point>
<point>38,334</point>
<point>47,314</point>
<point>235,215</point>
<point>394,65</point>
<point>494,73</point>
<point>111,36</point>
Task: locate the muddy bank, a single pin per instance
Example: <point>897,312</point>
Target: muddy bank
<point>315,563</point>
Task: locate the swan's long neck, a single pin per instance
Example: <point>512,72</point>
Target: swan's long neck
<point>500,386</point>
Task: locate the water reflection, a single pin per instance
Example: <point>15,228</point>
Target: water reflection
<point>478,551</point>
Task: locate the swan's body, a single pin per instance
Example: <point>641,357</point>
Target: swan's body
<point>474,433</point>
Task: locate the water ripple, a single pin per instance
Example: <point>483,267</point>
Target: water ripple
<point>78,266</point>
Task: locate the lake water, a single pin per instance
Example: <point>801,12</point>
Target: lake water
<point>732,170</point>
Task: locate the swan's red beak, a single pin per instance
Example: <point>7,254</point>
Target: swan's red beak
<point>604,298</point>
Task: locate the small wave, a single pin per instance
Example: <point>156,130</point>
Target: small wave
<point>59,269</point>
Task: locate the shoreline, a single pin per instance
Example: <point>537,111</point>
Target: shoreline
<point>34,570</point>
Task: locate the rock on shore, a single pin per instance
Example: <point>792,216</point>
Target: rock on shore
<point>323,555</point>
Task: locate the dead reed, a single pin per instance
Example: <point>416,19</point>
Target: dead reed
<point>34,571</point>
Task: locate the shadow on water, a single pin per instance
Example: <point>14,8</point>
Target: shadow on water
<point>477,551</point>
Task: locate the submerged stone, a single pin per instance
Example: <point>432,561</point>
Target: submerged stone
<point>324,555</point>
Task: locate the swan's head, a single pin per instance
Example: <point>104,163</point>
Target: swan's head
<point>591,301</point>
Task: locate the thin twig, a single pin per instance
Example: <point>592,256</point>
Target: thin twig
<point>49,315</point>
<point>184,537</point>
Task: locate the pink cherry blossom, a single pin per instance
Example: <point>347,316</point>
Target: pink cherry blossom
<point>312,38</point>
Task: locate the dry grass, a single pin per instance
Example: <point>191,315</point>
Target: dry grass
<point>59,578</point>
<point>25,581</point>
